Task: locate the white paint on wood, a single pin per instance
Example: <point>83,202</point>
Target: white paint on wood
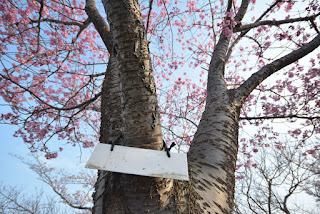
<point>138,161</point>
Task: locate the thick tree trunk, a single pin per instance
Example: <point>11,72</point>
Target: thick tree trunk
<point>111,127</point>
<point>213,154</point>
<point>140,111</point>
<point>129,107</point>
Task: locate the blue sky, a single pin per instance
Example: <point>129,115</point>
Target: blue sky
<point>13,171</point>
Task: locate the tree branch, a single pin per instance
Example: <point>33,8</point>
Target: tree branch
<point>39,29</point>
<point>148,19</point>
<point>57,21</point>
<point>243,33</point>
<point>239,28</point>
<point>314,26</point>
<point>47,104</point>
<point>15,202</point>
<point>242,10</point>
<point>85,24</point>
<point>280,117</point>
<point>99,23</point>
<point>217,63</point>
<point>242,92</point>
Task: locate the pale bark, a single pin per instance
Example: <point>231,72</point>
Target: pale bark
<point>213,152</point>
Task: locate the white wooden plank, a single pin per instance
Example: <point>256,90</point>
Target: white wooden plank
<point>138,161</point>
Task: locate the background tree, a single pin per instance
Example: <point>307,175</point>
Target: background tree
<point>270,186</point>
<point>72,190</point>
<point>49,57</point>
<point>13,201</point>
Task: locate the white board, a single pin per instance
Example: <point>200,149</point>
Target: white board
<point>138,161</point>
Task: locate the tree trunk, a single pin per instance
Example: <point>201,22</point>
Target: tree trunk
<point>129,99</point>
<point>213,154</point>
<point>129,107</point>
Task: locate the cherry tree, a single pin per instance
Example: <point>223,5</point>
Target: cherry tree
<point>218,67</point>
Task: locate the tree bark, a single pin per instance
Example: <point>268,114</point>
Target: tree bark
<point>129,107</point>
<point>129,86</point>
<point>140,111</point>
